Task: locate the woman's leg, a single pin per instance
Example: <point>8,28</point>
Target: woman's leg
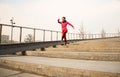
<point>64,36</point>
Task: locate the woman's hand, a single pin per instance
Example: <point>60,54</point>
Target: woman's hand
<point>73,27</point>
<point>59,21</point>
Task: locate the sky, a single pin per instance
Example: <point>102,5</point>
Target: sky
<point>43,14</point>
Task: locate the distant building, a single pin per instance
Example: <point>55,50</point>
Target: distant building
<point>5,38</point>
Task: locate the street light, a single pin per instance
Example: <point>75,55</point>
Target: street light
<point>12,22</point>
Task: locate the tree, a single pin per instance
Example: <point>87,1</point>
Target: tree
<point>29,38</point>
<point>82,31</point>
<point>103,33</point>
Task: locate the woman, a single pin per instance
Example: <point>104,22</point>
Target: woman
<point>64,24</point>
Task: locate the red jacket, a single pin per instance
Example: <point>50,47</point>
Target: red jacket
<point>64,25</point>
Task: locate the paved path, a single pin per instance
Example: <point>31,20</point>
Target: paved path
<point>4,72</point>
<point>104,66</point>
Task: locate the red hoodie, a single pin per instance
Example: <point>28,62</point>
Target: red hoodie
<point>64,25</point>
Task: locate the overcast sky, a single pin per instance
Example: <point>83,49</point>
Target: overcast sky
<point>95,14</point>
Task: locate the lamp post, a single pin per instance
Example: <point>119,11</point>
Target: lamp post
<point>12,23</point>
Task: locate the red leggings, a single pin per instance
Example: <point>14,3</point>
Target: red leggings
<point>64,35</point>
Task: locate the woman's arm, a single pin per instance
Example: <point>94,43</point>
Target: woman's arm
<point>70,25</point>
<point>59,21</point>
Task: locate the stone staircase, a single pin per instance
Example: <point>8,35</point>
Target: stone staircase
<point>105,45</point>
<point>98,50</point>
<point>91,58</point>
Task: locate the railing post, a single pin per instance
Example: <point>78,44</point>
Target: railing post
<point>51,35</point>
<point>74,35</point>
<point>99,35</point>
<point>12,33</point>
<point>118,34</point>
<point>88,36</point>
<point>68,36</point>
<point>95,36</point>
<point>71,35</point>
<point>79,36</point>
<point>43,35</point>
<point>0,33</point>
<point>56,35</point>
<point>91,36</point>
<point>20,34</point>
<point>114,35</point>
<point>84,36</point>
<point>34,35</point>
<point>107,34</point>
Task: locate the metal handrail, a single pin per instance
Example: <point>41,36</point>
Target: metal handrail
<point>70,35</point>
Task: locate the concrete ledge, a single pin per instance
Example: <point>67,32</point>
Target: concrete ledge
<point>99,56</point>
<point>8,72</point>
<point>54,71</point>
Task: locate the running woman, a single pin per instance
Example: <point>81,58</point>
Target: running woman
<point>64,24</point>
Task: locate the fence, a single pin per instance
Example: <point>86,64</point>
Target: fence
<point>17,34</point>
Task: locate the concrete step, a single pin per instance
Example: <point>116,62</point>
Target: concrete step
<point>97,56</point>
<point>56,67</point>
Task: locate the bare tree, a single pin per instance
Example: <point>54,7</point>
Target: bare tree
<point>29,38</point>
<point>82,31</point>
<point>103,33</point>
